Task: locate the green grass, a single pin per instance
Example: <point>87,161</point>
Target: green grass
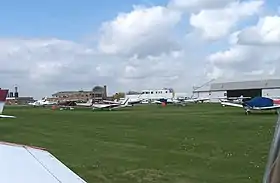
<point>193,144</point>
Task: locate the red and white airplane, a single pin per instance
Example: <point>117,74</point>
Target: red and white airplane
<point>3,96</point>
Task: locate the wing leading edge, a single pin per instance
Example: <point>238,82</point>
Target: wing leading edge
<point>231,104</point>
<point>24,164</point>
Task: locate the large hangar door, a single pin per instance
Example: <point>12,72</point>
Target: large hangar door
<point>245,93</point>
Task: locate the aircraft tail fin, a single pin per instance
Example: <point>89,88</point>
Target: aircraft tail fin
<point>89,101</point>
<point>125,102</point>
<point>3,96</point>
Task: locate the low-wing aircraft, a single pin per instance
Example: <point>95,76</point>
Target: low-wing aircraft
<point>87,104</point>
<point>3,96</point>
<point>133,101</point>
<point>197,100</point>
<point>111,106</point>
<point>26,164</point>
<point>43,102</point>
<point>170,101</point>
<point>255,104</point>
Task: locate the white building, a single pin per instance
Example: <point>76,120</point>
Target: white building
<point>252,88</point>
<point>153,94</point>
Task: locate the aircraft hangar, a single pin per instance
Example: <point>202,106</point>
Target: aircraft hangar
<point>252,88</point>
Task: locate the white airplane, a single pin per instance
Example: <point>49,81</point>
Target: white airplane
<point>42,102</point>
<point>233,99</point>
<point>131,101</point>
<point>3,96</point>
<point>87,104</point>
<point>170,101</point>
<point>26,164</point>
<point>255,104</point>
<point>111,106</point>
<point>197,100</point>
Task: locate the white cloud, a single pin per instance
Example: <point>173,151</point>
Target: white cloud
<point>266,32</point>
<point>194,5</point>
<point>42,67</point>
<point>139,50</point>
<point>143,31</point>
<point>217,23</point>
<point>37,65</point>
<point>244,61</point>
<point>254,52</point>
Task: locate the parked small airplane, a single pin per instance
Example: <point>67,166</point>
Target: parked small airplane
<point>197,100</point>
<point>87,104</point>
<point>234,99</point>
<point>255,104</point>
<point>133,101</point>
<point>3,96</point>
<point>43,102</point>
<point>170,101</point>
<point>111,106</point>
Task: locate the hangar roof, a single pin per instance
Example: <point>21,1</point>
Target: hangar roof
<point>205,88</point>
<point>252,84</point>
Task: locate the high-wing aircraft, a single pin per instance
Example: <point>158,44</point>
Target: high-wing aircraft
<point>255,104</point>
<point>42,102</point>
<point>234,99</point>
<point>3,96</point>
<point>26,164</point>
<point>111,106</point>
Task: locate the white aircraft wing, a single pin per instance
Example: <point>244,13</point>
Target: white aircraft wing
<point>231,104</point>
<point>104,106</point>
<point>110,102</point>
<point>267,108</point>
<point>6,116</point>
<point>25,164</point>
<point>84,104</point>
<point>121,106</point>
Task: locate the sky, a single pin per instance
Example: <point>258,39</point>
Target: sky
<point>51,46</point>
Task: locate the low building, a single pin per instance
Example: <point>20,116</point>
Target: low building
<point>250,88</point>
<point>97,93</point>
<point>19,100</point>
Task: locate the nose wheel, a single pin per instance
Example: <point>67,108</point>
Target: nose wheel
<point>247,112</point>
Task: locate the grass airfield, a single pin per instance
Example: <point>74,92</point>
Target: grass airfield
<point>198,143</point>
